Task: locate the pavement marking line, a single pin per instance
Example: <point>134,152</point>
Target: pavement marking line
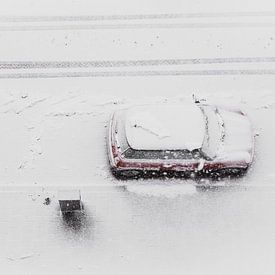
<point>139,26</point>
<point>137,73</point>
<point>116,17</point>
<point>129,63</point>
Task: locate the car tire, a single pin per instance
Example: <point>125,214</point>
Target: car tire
<point>126,174</point>
<point>227,172</point>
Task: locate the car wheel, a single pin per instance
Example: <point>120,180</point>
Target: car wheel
<point>228,172</point>
<point>126,174</point>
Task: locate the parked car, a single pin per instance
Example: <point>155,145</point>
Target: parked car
<point>180,140</point>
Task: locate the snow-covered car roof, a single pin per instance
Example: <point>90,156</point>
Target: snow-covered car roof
<point>165,127</point>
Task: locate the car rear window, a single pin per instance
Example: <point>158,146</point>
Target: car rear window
<point>161,154</point>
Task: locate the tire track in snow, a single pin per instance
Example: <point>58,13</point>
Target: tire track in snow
<point>139,26</point>
<point>129,63</point>
<point>118,17</point>
<point>138,73</point>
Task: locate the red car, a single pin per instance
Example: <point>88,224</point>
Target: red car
<point>180,140</point>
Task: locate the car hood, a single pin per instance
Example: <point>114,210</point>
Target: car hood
<point>238,136</point>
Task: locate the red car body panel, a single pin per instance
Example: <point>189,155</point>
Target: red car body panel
<point>119,163</point>
<point>122,164</point>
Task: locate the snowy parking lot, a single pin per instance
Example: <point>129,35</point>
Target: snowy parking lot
<point>53,137</point>
<point>62,74</point>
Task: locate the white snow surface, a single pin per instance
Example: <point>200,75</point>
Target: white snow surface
<point>239,132</point>
<point>53,137</point>
<point>164,126</point>
<point>239,137</point>
<point>162,190</point>
<point>69,194</point>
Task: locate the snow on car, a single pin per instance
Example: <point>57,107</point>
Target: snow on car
<point>191,139</point>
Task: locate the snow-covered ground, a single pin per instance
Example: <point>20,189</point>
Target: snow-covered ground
<point>53,136</point>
